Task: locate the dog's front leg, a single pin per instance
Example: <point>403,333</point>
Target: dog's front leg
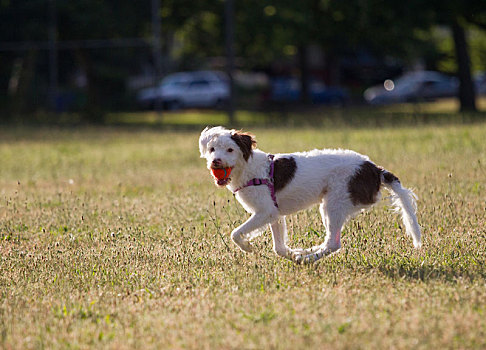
<point>256,221</point>
<point>279,233</point>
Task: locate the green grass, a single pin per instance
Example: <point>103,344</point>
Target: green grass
<point>118,239</point>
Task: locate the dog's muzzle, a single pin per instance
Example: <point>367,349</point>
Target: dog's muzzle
<point>217,163</point>
<point>220,180</point>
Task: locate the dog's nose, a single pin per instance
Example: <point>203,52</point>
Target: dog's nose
<point>216,162</point>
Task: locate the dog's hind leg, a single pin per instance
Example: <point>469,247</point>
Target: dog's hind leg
<point>325,220</point>
<point>333,216</point>
<point>280,238</point>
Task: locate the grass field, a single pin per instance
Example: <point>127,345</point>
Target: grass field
<point>118,239</point>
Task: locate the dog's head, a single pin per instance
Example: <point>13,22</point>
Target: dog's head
<point>225,148</point>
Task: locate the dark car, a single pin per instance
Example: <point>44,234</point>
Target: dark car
<point>289,90</point>
<point>412,87</point>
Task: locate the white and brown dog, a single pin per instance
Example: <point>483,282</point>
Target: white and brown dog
<point>272,186</point>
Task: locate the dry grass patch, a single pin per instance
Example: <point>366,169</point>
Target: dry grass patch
<point>113,239</point>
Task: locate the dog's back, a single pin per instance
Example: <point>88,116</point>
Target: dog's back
<point>317,173</point>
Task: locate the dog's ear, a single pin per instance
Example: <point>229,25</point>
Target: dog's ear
<point>204,139</point>
<point>245,141</point>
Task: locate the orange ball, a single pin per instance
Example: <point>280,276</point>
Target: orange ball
<point>221,173</point>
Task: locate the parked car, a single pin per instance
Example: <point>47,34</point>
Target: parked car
<point>480,83</point>
<point>289,90</point>
<point>411,87</point>
<point>187,89</point>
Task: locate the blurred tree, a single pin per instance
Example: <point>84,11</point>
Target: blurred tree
<point>266,31</point>
<point>456,15</point>
<point>269,30</point>
<point>17,68</point>
<point>395,28</point>
<point>477,43</point>
<point>97,20</point>
<point>446,55</point>
<point>198,28</point>
<point>25,24</point>
<point>467,94</point>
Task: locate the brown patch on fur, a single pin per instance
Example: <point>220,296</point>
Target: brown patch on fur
<point>324,192</point>
<point>245,141</point>
<point>365,184</point>
<point>389,177</point>
<point>283,172</point>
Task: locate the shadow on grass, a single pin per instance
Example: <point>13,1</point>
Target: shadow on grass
<point>427,271</point>
<point>291,117</point>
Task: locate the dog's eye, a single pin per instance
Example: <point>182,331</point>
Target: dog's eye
<point>211,150</point>
<point>230,150</point>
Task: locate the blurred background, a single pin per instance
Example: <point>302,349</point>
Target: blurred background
<point>80,60</point>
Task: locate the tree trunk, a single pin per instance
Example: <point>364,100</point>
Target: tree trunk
<point>92,112</point>
<point>304,75</point>
<point>333,68</point>
<point>229,18</point>
<point>25,76</point>
<point>467,95</point>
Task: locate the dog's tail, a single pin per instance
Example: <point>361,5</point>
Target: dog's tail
<point>404,201</point>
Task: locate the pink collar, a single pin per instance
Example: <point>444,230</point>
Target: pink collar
<point>268,182</point>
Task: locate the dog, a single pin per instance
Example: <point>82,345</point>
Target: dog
<point>271,187</point>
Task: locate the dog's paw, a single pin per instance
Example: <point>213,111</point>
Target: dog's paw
<point>245,246</point>
<point>331,248</point>
<point>303,255</point>
<point>298,256</point>
<point>311,255</point>
<point>242,243</point>
<point>309,258</point>
<point>306,251</point>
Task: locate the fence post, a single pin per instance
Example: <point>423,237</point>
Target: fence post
<point>53,61</point>
<point>156,51</point>
<point>229,15</point>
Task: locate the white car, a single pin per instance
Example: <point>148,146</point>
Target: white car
<point>188,89</point>
<point>411,87</point>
